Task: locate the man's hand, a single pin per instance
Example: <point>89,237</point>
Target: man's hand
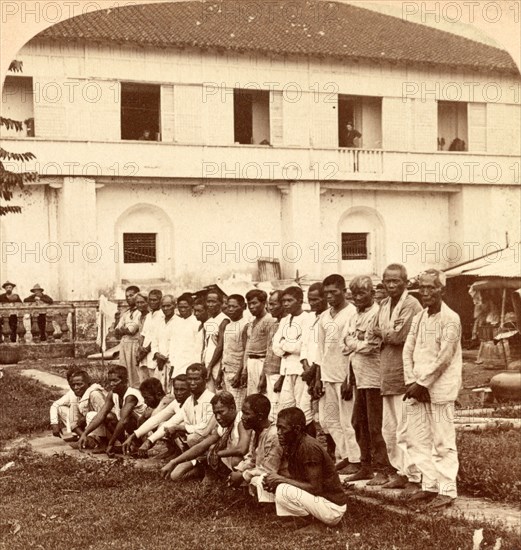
<point>219,380</point>
<point>235,479</point>
<point>277,387</point>
<point>236,380</point>
<point>127,445</point>
<point>244,378</point>
<point>318,389</point>
<point>161,360</point>
<point>82,442</point>
<point>377,331</point>
<point>55,430</point>
<point>261,388</point>
<point>141,353</point>
<point>271,481</point>
<point>142,452</point>
<point>167,469</point>
<point>346,390</point>
<point>418,392</point>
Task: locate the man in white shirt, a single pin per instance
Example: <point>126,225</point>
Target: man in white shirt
<point>287,344</point>
<point>153,321</point>
<point>195,420</point>
<point>336,406</point>
<point>183,348</point>
<point>62,411</point>
<point>432,361</point>
<point>161,341</point>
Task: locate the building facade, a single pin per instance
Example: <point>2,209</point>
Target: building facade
<point>168,164</point>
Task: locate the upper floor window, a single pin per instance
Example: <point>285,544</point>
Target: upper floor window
<point>18,104</point>
<point>452,126</point>
<point>140,111</point>
<point>251,116</point>
<point>360,121</point>
<point>139,248</point>
<point>354,246</point>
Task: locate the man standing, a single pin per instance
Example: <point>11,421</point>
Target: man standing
<point>152,322</point>
<point>214,336</point>
<point>161,341</point>
<point>183,349</point>
<point>287,344</point>
<point>392,326</point>
<point>336,404</point>
<point>201,314</point>
<point>351,135</point>
<point>257,342</point>
<point>128,330</point>
<point>233,350</point>
<point>271,381</point>
<point>313,486</point>
<point>363,347</point>
<point>9,297</point>
<point>432,360</point>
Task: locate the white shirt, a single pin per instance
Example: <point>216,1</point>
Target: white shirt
<point>156,419</point>
<point>153,321</point>
<point>196,418</point>
<point>162,336</point>
<point>183,349</point>
<point>310,341</point>
<point>432,354</point>
<point>287,342</point>
<point>138,410</point>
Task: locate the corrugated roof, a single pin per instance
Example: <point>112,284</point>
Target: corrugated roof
<point>503,263</point>
<point>300,27</point>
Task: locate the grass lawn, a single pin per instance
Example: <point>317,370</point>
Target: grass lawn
<point>24,405</point>
<point>64,503</point>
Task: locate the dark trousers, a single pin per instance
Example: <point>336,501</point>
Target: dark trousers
<point>42,320</point>
<point>367,423</point>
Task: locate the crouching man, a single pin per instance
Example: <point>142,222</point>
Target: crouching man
<point>62,413</point>
<point>120,413</point>
<point>313,487</point>
<point>226,444</point>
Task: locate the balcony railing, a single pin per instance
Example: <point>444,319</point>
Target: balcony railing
<point>243,163</point>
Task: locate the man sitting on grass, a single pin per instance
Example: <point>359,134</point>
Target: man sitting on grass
<point>265,454</point>
<point>313,486</point>
<point>226,444</point>
<point>62,412</point>
<point>121,411</point>
<point>172,405</point>
<point>91,398</point>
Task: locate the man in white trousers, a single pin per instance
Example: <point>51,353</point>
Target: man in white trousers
<point>432,360</point>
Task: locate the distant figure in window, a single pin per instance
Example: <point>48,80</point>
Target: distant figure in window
<point>146,136</point>
<point>441,144</point>
<point>351,135</point>
<point>10,297</point>
<point>39,298</point>
<point>29,123</point>
<point>457,145</point>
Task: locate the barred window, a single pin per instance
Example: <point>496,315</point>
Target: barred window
<point>354,246</point>
<point>139,248</point>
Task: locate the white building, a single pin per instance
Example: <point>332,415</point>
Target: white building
<point>247,109</point>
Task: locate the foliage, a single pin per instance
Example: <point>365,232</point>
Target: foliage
<point>9,180</point>
<point>489,464</point>
<point>24,407</point>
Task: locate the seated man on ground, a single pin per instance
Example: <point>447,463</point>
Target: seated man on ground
<point>313,487</point>
<point>265,454</point>
<point>62,413</point>
<point>167,407</point>
<point>226,444</point>
<point>193,421</point>
<point>121,411</point>
<point>91,398</point>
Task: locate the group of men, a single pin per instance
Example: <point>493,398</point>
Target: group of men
<point>238,397</point>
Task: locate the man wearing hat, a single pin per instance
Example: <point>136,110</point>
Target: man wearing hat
<point>9,297</point>
<point>38,297</point>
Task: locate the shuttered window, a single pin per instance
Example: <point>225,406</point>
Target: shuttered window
<point>354,246</point>
<point>139,248</point>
